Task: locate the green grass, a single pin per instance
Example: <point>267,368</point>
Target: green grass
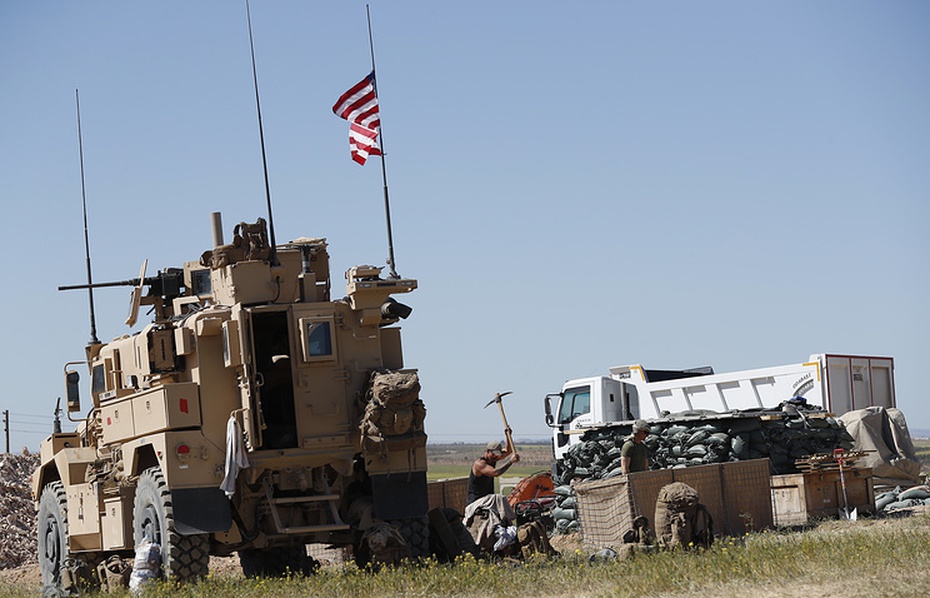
<point>876,557</point>
<point>447,470</point>
<point>881,557</point>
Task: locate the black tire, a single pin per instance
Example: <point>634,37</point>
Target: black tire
<point>416,532</point>
<point>278,561</point>
<point>54,554</point>
<point>448,536</point>
<point>52,528</point>
<point>183,557</point>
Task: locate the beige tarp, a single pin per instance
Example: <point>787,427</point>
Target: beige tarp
<point>883,432</point>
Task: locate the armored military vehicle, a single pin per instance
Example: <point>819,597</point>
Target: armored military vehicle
<point>255,414</point>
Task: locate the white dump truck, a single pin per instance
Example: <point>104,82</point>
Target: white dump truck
<point>835,383</point>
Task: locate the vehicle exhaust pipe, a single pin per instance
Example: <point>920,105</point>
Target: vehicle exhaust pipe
<point>216,223</point>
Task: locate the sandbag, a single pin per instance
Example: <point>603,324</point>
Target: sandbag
<point>563,490</point>
<point>920,492</point>
<point>883,500</point>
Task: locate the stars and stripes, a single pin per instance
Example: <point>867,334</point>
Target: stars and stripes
<point>362,142</point>
<point>359,106</point>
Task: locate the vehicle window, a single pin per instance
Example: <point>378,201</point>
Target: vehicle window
<point>319,342</point>
<point>98,380</point>
<point>577,402</point>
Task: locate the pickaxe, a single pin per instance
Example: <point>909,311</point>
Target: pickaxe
<point>511,449</point>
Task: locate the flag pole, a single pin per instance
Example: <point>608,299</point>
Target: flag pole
<point>387,202</point>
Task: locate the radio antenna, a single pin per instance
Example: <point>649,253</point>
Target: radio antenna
<point>261,136</point>
<point>90,289</point>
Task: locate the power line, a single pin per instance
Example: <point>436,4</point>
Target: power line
<point>46,416</point>
<point>16,420</point>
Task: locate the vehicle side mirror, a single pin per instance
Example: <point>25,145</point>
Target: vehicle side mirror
<point>72,380</point>
<point>548,406</point>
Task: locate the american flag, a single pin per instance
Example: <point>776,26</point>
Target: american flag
<point>362,142</point>
<point>359,106</point>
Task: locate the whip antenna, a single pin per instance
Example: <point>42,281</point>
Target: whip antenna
<point>90,289</point>
<point>261,136</point>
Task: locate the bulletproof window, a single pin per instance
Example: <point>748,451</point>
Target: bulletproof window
<point>200,282</point>
<point>577,402</point>
<point>98,380</point>
<point>319,339</point>
<point>316,338</point>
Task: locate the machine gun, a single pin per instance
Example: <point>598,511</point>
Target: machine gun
<point>167,285</point>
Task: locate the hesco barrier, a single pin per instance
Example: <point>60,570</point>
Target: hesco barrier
<point>448,493</point>
<point>737,495</point>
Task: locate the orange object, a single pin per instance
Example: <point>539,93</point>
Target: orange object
<point>536,486</point>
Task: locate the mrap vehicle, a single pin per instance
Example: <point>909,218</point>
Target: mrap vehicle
<point>833,382</point>
<point>255,414</point>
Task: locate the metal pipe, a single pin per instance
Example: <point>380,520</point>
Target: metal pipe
<point>216,223</point>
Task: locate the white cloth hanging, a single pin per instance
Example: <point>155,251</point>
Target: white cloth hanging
<point>236,457</point>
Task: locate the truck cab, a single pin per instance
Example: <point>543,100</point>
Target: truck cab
<point>585,402</point>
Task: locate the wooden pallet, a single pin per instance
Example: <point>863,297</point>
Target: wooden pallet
<point>814,415</point>
<point>828,462</point>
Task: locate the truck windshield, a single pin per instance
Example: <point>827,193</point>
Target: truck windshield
<point>577,402</point>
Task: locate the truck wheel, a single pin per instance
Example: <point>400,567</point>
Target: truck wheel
<point>183,557</point>
<point>60,568</point>
<point>449,538</point>
<point>416,532</point>
<point>278,561</point>
<point>52,525</point>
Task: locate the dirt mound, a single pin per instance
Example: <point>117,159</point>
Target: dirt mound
<point>17,512</point>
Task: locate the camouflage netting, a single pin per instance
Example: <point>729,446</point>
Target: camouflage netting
<point>793,432</point>
<point>17,512</point>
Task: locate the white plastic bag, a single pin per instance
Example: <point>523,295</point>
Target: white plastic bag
<point>146,565</point>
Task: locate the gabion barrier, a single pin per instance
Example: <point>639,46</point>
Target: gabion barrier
<point>684,440</point>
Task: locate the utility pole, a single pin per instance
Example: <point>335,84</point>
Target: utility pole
<point>6,428</point>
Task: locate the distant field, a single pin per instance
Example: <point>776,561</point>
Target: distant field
<point>455,460</point>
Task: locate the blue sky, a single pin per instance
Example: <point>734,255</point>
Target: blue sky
<point>675,184</point>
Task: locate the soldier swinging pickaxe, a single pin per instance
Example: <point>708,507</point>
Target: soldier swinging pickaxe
<point>510,449</point>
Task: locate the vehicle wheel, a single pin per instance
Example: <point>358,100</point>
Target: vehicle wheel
<point>416,532</point>
<point>278,561</point>
<point>449,538</point>
<point>52,524</point>
<point>59,568</point>
<point>183,557</point>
